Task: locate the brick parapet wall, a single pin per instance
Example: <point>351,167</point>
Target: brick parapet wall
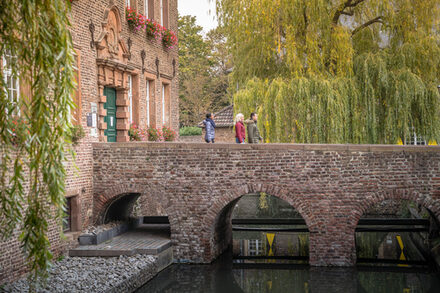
<point>331,186</point>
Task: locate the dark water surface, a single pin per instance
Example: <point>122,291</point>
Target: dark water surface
<point>224,276</point>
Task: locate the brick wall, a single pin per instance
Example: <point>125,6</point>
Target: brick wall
<point>331,186</point>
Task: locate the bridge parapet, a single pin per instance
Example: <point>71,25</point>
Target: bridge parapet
<point>329,185</point>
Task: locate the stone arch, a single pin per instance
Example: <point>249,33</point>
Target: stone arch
<point>119,208</point>
<point>371,199</point>
<point>411,194</point>
<point>211,219</point>
<point>112,194</point>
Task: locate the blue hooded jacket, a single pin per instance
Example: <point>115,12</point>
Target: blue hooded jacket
<point>210,129</point>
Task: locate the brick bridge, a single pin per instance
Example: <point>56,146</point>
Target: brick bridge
<point>197,185</point>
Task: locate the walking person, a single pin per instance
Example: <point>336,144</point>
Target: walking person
<point>252,129</point>
<point>240,132</point>
<point>209,128</point>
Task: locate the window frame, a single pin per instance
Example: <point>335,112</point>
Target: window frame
<point>132,4</point>
<point>164,13</point>
<point>67,217</point>
<point>163,104</point>
<point>15,80</point>
<point>147,8</point>
<point>77,111</point>
<point>148,100</point>
<point>130,98</point>
<point>161,12</point>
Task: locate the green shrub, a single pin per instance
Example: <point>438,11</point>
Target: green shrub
<point>76,134</point>
<point>190,130</point>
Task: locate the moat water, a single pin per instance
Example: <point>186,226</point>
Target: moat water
<point>226,276</point>
<point>253,265</point>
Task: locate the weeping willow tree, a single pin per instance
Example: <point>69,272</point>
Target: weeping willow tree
<point>336,71</point>
<point>36,53</point>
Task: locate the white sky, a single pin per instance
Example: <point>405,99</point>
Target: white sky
<point>204,10</point>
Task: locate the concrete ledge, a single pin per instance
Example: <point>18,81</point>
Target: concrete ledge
<point>270,146</point>
<point>94,239</point>
<point>90,251</point>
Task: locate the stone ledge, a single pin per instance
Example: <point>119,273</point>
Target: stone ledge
<point>270,146</point>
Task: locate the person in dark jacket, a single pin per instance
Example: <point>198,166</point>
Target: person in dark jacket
<point>252,129</point>
<point>240,132</point>
<point>209,128</point>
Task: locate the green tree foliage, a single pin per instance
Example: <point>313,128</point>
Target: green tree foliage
<point>202,71</point>
<point>356,71</point>
<point>35,33</point>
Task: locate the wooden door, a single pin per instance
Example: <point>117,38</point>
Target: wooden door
<point>110,106</point>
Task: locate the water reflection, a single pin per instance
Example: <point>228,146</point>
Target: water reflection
<point>223,276</point>
<point>398,246</point>
<point>271,245</point>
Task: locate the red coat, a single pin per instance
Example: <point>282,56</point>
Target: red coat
<point>240,131</point>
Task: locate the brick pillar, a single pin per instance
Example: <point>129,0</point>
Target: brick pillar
<point>122,115</point>
<point>102,126</point>
<point>332,245</point>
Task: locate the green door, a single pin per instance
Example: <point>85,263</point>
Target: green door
<point>110,106</point>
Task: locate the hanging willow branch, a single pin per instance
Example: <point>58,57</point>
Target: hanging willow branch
<point>33,127</point>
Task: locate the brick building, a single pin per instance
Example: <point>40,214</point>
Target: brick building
<point>124,77</point>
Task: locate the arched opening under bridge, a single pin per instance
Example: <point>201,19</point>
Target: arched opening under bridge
<point>262,228</point>
<point>398,233</point>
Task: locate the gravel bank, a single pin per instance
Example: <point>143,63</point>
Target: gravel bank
<point>95,274</point>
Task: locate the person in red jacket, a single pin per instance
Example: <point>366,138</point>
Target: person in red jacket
<point>240,132</point>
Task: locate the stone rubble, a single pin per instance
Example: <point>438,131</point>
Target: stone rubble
<point>94,274</point>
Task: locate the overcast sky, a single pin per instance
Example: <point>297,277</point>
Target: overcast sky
<point>204,10</point>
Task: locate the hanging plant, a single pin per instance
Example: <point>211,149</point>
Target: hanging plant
<point>153,29</point>
<point>136,21</point>
<point>169,39</point>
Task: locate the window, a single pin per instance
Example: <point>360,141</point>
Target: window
<point>12,81</point>
<point>131,4</point>
<point>150,6</point>
<point>76,115</point>
<point>255,247</point>
<point>166,104</point>
<point>67,219</point>
<point>163,104</point>
<point>164,13</point>
<point>417,140</point>
<point>130,98</point>
<point>147,9</point>
<point>161,12</point>
<point>148,103</point>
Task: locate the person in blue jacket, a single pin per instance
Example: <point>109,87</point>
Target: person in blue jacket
<point>209,128</point>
